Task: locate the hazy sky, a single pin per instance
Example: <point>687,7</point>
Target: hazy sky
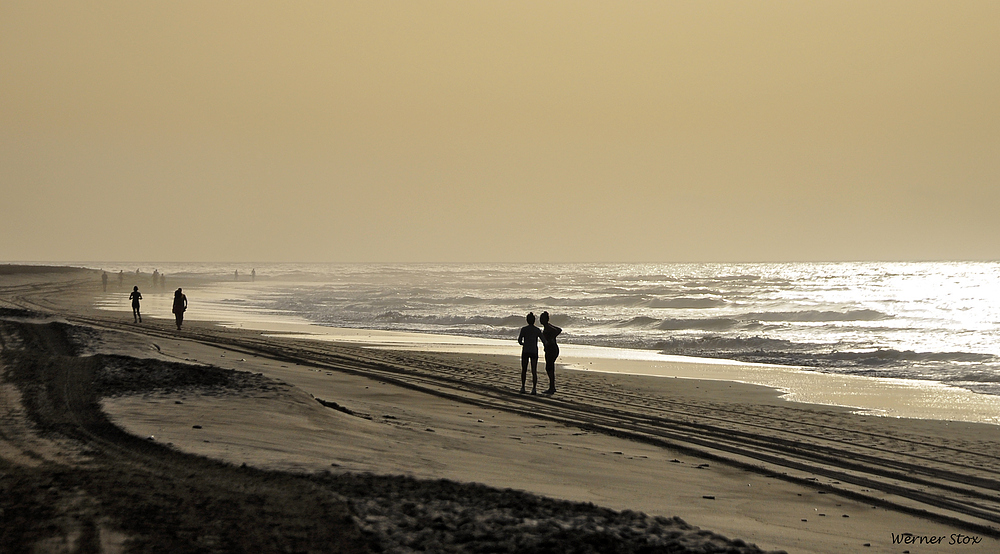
<point>499,131</point>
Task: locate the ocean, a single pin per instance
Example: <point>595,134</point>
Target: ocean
<point>915,321</point>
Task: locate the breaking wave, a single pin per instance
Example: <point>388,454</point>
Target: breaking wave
<point>683,303</point>
<point>702,324</point>
<point>819,316</point>
<point>640,321</point>
<point>783,352</point>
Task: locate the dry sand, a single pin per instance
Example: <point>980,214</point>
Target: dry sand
<point>729,457</point>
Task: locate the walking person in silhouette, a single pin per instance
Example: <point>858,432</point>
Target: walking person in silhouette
<point>180,305</point>
<point>528,339</point>
<point>135,296</point>
<point>549,334</point>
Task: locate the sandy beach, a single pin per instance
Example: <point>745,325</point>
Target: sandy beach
<point>390,450</point>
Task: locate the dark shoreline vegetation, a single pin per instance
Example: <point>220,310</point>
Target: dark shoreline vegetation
<point>159,499</point>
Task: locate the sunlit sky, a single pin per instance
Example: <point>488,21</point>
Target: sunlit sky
<point>499,131</point>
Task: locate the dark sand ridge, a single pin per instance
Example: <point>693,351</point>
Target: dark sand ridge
<point>580,449</point>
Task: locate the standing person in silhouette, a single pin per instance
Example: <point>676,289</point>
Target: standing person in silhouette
<point>180,305</point>
<point>528,339</point>
<point>104,280</point>
<point>253,274</point>
<point>135,297</point>
<point>549,334</point>
<point>236,275</point>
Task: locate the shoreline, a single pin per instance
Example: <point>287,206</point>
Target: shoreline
<point>802,477</point>
<point>872,396</point>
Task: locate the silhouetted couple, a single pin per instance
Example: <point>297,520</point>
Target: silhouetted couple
<point>528,339</point>
<point>180,305</point>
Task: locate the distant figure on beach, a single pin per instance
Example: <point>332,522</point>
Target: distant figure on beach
<point>180,305</point>
<point>528,339</point>
<point>236,275</point>
<point>137,271</point>
<point>549,334</point>
<point>156,277</point>
<point>104,280</point>
<point>135,297</point>
<point>253,274</point>
<point>121,278</point>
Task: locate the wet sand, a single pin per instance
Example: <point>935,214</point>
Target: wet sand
<point>875,396</point>
<point>729,457</point>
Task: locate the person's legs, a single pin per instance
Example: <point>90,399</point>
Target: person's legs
<point>180,319</point>
<point>524,369</point>
<point>550,370</point>
<point>534,374</point>
<point>135,314</point>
